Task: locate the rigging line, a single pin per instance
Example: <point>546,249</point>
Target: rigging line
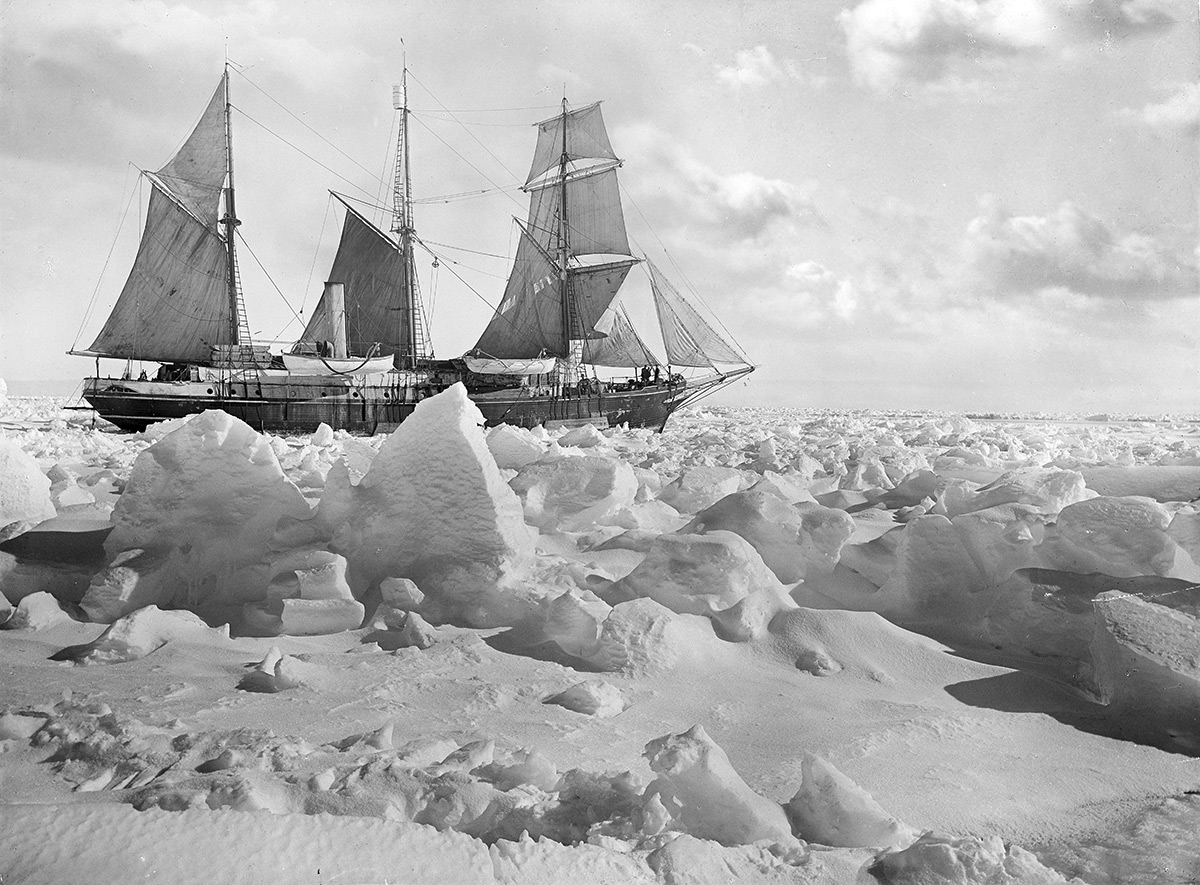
<point>487,178</point>
<point>486,149</point>
<point>473,123</point>
<point>87,314</point>
<point>466,195</point>
<point>313,267</point>
<point>301,122</point>
<point>270,131</point>
<point>691,287</point>
<point>269,278</point>
<point>472,251</point>
<point>450,263</point>
<point>445,110</point>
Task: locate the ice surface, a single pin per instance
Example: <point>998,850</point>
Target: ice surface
<point>514,447</point>
<point>599,699</point>
<point>831,809</point>
<point>1147,663</point>
<point>140,633</point>
<point>24,489</point>
<point>201,505</point>
<point>38,611</point>
<point>696,574</point>
<point>965,861</point>
<point>701,487</point>
<point>706,798</point>
<point>388,526</point>
<point>518,748</point>
<point>573,493</point>
<point>792,540</point>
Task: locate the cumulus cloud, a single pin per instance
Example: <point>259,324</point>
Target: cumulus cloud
<point>1071,251</point>
<point>890,42</point>
<point>1178,113</point>
<point>752,67</point>
<point>740,206</point>
<point>825,288</point>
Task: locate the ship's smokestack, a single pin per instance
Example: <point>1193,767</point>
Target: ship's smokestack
<point>335,297</point>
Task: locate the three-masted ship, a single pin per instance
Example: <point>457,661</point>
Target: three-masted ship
<point>558,349</point>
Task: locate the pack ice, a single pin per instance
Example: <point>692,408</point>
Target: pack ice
<point>764,645</point>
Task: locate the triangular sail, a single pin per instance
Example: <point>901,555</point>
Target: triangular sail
<point>195,174</point>
<point>175,305</point>
<point>689,339</point>
<point>621,347</point>
<point>597,224</point>
<point>529,320</point>
<point>594,289</point>
<point>586,140</point>
<point>370,266</point>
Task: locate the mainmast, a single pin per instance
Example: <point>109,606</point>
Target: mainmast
<point>402,223</point>
<point>564,243</point>
<point>230,222</point>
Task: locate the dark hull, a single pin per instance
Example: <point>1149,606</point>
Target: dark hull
<point>648,407</point>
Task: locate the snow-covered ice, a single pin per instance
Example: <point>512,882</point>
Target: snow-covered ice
<point>765,645</point>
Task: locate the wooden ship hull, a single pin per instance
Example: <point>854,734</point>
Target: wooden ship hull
<point>300,409</point>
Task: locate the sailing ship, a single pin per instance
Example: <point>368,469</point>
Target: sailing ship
<point>558,349</point>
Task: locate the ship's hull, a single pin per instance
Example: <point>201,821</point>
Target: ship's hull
<point>134,405</point>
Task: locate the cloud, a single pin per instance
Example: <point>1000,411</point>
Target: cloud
<point>1179,113</point>
<point>826,288</point>
<point>751,67</point>
<point>1077,253</point>
<point>893,42</point>
<point>729,206</point>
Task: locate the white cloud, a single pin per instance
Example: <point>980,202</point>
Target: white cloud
<point>1076,252</point>
<point>1178,113</point>
<point>752,67</point>
<point>741,206</point>
<point>891,42</point>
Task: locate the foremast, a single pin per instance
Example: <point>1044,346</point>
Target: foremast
<point>230,222</point>
<point>413,346</point>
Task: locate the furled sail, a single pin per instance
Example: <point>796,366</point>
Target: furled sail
<point>586,142</point>
<point>195,174</point>
<point>175,304</point>
<point>689,339</point>
<point>529,321</point>
<point>370,265</point>
<point>621,346</point>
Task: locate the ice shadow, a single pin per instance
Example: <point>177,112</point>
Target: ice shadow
<point>515,642</point>
<point>1022,691</point>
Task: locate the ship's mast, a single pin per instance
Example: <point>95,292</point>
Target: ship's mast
<point>230,221</point>
<point>402,223</point>
<point>564,244</point>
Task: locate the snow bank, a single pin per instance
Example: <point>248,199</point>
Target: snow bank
<point>191,527</point>
<point>1146,659</point>
<point>141,633</point>
<point>964,861</point>
<point>831,809</point>
<point>24,489</point>
<point>432,508</point>
<point>702,794</point>
<point>573,493</point>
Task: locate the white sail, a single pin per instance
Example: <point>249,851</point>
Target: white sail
<point>175,305</point>
<point>689,339</point>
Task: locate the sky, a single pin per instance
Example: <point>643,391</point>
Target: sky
<point>964,205</point>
